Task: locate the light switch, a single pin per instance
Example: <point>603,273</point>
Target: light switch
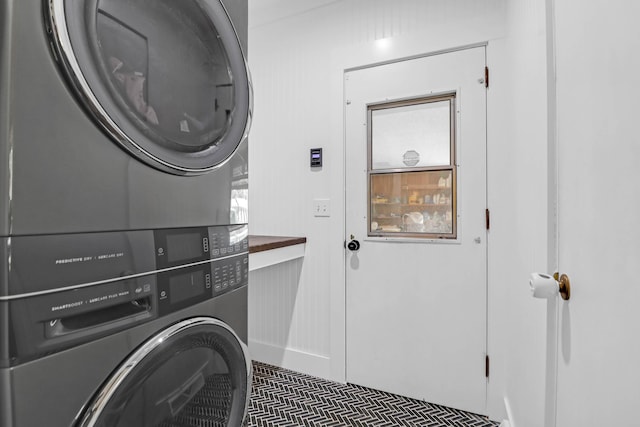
<point>321,207</point>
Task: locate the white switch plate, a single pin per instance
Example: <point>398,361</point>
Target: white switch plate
<point>321,207</point>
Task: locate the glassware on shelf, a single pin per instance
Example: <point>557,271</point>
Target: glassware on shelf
<point>413,203</point>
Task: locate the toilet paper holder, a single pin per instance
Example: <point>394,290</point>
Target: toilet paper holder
<point>545,286</point>
<point>564,284</point>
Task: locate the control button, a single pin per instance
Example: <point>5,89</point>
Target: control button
<point>223,251</point>
<point>163,295</point>
<point>138,290</point>
<point>225,285</point>
<point>147,287</point>
<point>237,247</point>
<point>217,287</point>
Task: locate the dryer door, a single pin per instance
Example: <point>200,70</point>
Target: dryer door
<point>196,372</point>
<point>166,80</point>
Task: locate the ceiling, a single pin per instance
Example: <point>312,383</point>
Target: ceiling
<point>263,12</point>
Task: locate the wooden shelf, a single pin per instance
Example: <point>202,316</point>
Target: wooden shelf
<point>428,205</point>
<point>266,243</point>
<point>424,187</point>
<point>265,251</point>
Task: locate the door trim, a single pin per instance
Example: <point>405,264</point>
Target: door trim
<point>344,60</point>
<point>418,56</point>
<point>553,306</point>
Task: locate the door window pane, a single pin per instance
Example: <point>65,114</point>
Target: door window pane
<point>412,171</point>
<point>414,135</point>
<point>419,203</point>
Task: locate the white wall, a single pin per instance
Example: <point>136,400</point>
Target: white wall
<point>518,201</point>
<point>297,65</point>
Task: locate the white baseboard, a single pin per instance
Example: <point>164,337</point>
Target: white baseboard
<point>509,422</point>
<point>295,360</point>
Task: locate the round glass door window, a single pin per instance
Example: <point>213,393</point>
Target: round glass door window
<point>194,373</point>
<point>165,79</point>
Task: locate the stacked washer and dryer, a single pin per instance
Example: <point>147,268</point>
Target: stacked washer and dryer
<point>123,213</point>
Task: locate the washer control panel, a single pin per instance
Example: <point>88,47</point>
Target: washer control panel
<point>64,290</point>
<point>183,287</point>
<point>230,273</point>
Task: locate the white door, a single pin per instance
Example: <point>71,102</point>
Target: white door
<point>598,213</point>
<point>416,205</point>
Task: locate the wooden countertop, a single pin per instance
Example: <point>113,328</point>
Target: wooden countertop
<point>266,243</point>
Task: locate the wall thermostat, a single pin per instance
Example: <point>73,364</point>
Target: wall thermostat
<point>316,157</point>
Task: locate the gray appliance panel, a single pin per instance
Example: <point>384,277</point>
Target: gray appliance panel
<point>60,385</point>
<point>65,290</point>
<point>60,174</point>
<point>49,263</point>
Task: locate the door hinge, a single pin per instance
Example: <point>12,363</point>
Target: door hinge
<point>486,77</point>
<point>487,219</point>
<point>486,366</point>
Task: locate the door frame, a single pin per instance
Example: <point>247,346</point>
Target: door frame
<point>553,305</point>
<point>372,53</point>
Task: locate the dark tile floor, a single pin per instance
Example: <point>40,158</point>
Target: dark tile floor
<point>285,398</point>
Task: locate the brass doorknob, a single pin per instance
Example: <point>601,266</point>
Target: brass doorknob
<point>565,285</point>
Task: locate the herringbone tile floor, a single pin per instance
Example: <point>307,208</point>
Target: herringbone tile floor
<point>283,398</point>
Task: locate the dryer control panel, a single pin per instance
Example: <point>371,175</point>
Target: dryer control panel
<point>64,290</point>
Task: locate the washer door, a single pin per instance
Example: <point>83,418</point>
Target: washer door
<point>165,79</point>
<point>196,372</point>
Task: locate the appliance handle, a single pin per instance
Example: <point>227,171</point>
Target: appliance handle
<point>97,319</point>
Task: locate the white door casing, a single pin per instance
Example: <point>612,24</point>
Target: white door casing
<point>416,308</point>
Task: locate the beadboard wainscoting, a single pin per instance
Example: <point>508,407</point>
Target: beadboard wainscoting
<point>284,317</point>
